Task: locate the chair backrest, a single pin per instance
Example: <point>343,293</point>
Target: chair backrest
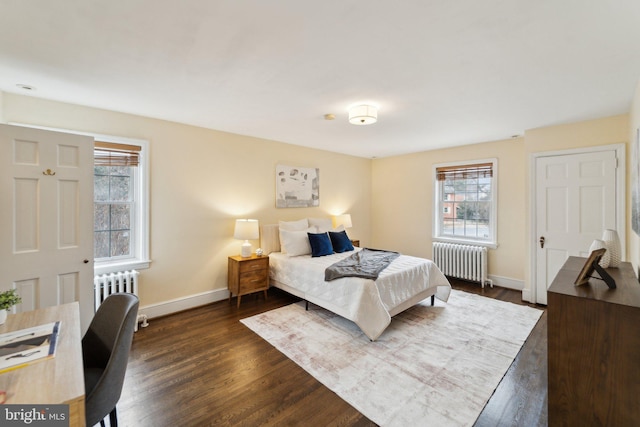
<point>106,346</point>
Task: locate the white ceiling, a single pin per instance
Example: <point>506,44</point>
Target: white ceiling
<point>444,72</point>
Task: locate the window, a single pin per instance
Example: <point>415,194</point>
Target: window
<point>466,202</point>
<point>120,221</point>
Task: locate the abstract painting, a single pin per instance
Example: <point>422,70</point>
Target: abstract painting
<point>297,187</point>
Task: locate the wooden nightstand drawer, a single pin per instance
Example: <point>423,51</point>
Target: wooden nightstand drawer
<point>254,265</point>
<point>253,281</point>
<point>247,275</point>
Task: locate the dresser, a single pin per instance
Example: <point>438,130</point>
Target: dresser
<point>247,275</point>
<point>594,348</point>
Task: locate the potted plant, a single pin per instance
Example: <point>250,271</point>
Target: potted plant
<point>7,300</point>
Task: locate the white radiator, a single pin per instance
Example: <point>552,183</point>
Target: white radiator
<point>121,281</point>
<point>465,262</point>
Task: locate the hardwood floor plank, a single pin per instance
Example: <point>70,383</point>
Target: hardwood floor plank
<point>203,367</point>
<point>515,401</point>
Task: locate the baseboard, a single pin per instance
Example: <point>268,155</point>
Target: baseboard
<point>506,282</point>
<point>526,295</point>
<point>181,304</point>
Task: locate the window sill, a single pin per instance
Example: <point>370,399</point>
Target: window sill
<point>112,267</point>
<point>490,245</point>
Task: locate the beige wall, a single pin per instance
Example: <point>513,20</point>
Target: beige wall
<point>201,181</point>
<point>604,131</point>
<point>402,186</point>
<point>633,240</point>
<point>403,192</point>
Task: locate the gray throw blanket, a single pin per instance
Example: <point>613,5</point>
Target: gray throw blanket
<point>367,264</point>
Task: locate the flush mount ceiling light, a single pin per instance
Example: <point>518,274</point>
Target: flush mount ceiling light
<point>363,115</point>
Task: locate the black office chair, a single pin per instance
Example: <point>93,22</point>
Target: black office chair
<point>105,350</point>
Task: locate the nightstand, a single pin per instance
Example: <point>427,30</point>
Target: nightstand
<point>355,243</point>
<point>248,275</point>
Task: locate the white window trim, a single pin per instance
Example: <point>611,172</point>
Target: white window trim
<point>141,241</point>
<point>438,207</point>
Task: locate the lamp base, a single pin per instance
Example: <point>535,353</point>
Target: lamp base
<point>246,249</point>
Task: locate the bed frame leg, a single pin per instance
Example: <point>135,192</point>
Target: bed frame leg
<point>433,299</point>
<point>306,305</point>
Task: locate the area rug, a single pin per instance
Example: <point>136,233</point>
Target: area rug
<point>434,366</point>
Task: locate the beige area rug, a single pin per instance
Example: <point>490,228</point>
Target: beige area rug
<point>433,366</point>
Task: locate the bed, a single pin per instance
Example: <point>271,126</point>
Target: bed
<point>368,303</point>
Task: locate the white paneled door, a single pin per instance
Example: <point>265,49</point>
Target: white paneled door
<point>575,203</point>
<point>46,220</point>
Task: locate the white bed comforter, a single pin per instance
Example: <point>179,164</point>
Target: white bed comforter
<point>370,304</point>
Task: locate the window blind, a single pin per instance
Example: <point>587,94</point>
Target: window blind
<point>111,154</point>
<point>480,170</point>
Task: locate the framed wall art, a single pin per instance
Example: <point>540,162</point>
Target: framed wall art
<point>297,187</point>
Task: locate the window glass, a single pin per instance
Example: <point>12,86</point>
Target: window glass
<point>465,203</point>
<point>113,209</point>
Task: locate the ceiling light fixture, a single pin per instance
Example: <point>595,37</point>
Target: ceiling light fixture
<point>363,115</point>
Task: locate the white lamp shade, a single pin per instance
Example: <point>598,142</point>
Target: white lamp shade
<point>344,219</point>
<point>363,115</point>
<point>246,229</point>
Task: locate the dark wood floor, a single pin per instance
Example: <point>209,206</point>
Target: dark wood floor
<point>203,367</point>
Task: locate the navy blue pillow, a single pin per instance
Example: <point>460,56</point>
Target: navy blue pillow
<point>340,241</point>
<point>320,244</point>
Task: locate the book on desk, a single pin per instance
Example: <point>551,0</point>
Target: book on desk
<point>26,346</point>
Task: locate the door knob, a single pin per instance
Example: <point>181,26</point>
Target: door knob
<point>86,261</point>
<point>541,242</point>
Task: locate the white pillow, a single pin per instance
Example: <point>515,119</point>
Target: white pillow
<point>323,230</point>
<point>295,243</point>
<point>299,225</point>
<point>322,225</point>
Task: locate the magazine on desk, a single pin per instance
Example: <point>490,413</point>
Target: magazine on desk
<point>26,346</point>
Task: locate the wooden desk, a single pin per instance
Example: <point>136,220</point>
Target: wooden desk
<point>56,380</point>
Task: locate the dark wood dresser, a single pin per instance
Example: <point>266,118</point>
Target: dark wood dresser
<point>594,348</point>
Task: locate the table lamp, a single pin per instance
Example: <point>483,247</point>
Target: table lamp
<point>344,219</point>
<point>246,229</point>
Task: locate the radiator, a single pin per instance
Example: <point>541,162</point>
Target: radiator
<point>465,262</point>
<point>122,281</point>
